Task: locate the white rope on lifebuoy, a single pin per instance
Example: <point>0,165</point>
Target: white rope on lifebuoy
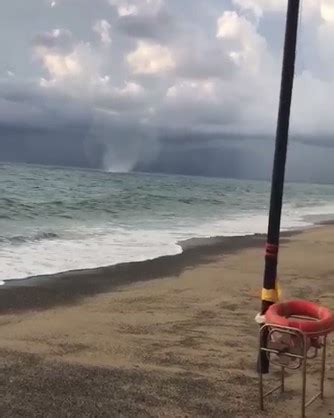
<point>260,319</point>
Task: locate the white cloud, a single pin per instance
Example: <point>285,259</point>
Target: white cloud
<point>244,45</point>
<point>309,8</point>
<point>56,40</point>
<point>127,10</point>
<point>102,28</point>
<point>58,63</point>
<point>325,49</point>
<point>74,73</point>
<point>259,7</point>
<point>131,89</point>
<point>192,89</point>
<point>153,6</point>
<point>311,114</point>
<point>150,58</point>
<point>136,7</point>
<point>103,81</point>
<point>221,70</point>
<point>327,10</point>
<point>60,66</point>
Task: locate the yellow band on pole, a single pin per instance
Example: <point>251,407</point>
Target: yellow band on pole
<point>272,295</point>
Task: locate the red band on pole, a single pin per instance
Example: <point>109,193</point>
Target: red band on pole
<point>271,250</point>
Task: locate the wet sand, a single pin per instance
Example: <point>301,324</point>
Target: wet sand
<point>172,337</point>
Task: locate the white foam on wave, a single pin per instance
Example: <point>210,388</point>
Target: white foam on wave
<point>54,256</point>
<point>314,213</point>
<point>104,247</point>
<point>249,224</point>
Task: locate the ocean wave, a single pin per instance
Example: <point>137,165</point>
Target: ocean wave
<point>19,209</point>
<point>21,239</point>
<point>7,201</point>
<point>54,221</point>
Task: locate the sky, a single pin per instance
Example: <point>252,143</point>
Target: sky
<point>185,86</point>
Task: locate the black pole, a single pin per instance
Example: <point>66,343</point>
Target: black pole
<point>277,185</point>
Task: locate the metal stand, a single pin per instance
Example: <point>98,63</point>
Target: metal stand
<point>290,348</point>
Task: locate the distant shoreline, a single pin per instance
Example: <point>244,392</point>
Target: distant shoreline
<point>65,288</point>
<point>43,292</point>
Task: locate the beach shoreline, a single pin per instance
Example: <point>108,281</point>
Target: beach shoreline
<point>46,291</point>
<point>170,337</point>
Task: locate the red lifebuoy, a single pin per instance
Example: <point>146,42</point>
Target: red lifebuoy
<point>282,314</point>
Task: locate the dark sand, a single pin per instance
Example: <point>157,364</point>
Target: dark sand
<point>170,337</point>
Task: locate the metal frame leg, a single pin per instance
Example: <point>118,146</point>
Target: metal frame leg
<point>323,367</point>
<point>304,385</point>
<point>261,390</point>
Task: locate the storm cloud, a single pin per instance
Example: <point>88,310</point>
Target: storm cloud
<point>155,85</point>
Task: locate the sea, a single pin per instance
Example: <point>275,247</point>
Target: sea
<point>56,219</point>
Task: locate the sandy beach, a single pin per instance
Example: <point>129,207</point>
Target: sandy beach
<point>173,337</point>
